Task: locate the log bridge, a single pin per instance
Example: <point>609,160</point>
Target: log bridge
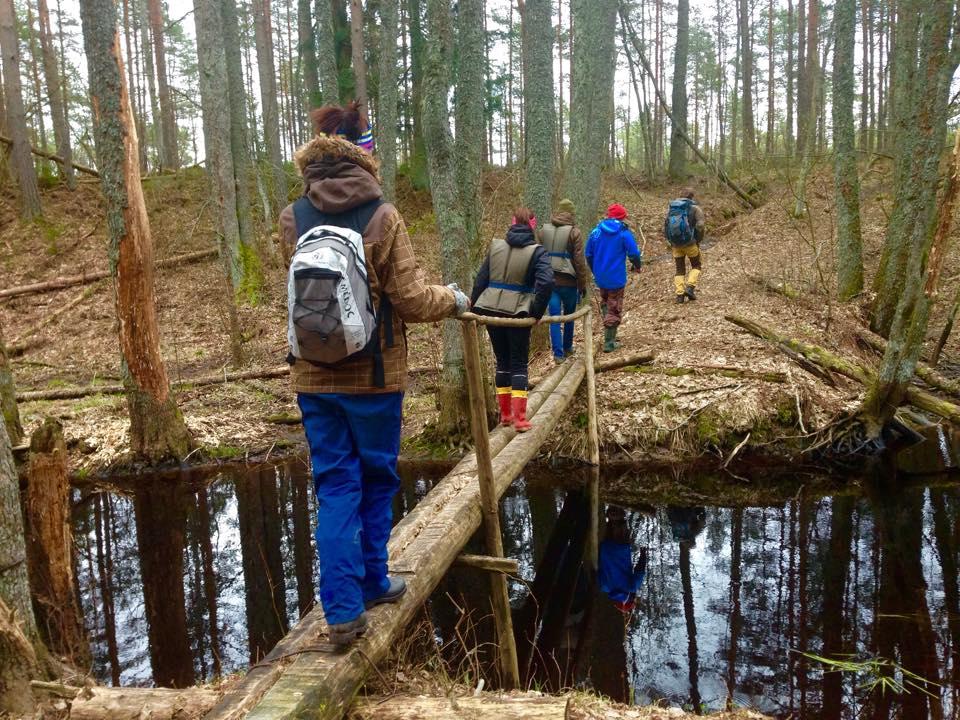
<point>303,677</point>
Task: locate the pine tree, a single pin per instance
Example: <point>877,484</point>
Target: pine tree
<point>169,146</point>
<point>357,54</point>
<point>746,104</point>
<point>267,74</point>
<point>51,71</point>
<point>387,103</point>
<point>327,53</point>
<point>16,119</point>
<point>846,180</point>
<point>157,430</point>
<point>678,147</point>
<point>307,49</point>
<point>539,106</point>
<point>593,71</point>
<point>919,148</point>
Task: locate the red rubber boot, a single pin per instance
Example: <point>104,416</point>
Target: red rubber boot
<point>520,422</point>
<point>506,414</point>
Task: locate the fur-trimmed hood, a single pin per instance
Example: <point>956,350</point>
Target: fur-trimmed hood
<point>331,148</point>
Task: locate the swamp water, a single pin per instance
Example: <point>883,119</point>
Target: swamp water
<point>742,588</point>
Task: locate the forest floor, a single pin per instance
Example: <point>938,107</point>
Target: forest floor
<point>658,414</point>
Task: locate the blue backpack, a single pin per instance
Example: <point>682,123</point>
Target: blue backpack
<point>678,229</point>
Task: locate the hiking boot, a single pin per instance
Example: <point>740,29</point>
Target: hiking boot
<point>342,634</point>
<point>680,298</point>
<point>520,422</point>
<point>610,339</point>
<point>559,360</point>
<point>569,353</point>
<point>503,399</point>
<point>691,292</point>
<point>393,594</point>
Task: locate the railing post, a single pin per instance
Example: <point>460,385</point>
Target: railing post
<point>489,503</point>
<point>593,442</point>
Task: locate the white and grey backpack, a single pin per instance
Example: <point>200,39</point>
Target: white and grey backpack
<point>331,316</point>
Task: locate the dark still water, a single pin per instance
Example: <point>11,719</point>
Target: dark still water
<point>699,601</point>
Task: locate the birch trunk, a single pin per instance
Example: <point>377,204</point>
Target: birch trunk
<point>157,430</point>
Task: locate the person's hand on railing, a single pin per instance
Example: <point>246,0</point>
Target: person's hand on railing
<point>461,300</point>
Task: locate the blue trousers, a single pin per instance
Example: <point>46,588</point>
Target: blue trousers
<point>354,443</point>
<point>563,301</point>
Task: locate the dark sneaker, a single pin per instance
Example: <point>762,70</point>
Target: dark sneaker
<point>569,353</point>
<point>393,594</point>
<point>690,292</point>
<point>342,634</point>
<point>681,298</point>
<point>558,360</point>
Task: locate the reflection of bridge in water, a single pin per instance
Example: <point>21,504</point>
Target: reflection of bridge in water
<point>302,676</point>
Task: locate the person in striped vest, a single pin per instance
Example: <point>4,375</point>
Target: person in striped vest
<point>515,280</point>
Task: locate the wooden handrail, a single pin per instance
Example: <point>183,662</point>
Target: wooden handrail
<point>524,322</point>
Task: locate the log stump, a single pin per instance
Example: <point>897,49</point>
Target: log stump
<point>50,545</point>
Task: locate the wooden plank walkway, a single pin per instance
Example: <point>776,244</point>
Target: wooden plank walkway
<point>301,678</point>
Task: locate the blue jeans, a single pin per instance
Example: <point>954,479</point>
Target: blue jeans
<point>563,301</point>
<point>354,443</point>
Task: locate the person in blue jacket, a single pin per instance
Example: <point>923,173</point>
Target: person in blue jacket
<point>620,578</point>
<point>610,245</point>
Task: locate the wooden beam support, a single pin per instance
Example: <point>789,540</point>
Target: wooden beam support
<point>490,502</point>
<point>508,566</point>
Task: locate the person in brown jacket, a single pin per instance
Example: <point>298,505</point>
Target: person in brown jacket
<point>563,241</point>
<point>351,410</point>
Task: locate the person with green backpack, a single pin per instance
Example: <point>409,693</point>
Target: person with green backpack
<point>683,230</point>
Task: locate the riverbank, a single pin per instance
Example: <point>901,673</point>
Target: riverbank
<point>711,390</point>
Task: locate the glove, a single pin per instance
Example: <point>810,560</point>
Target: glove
<point>461,300</point>
<point>637,266</point>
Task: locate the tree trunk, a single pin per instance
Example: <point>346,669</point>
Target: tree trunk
<point>418,155</point>
<point>809,78</point>
<point>157,430</point>
<point>51,71</point>
<point>387,130</point>
<point>103,531</point>
<point>50,551</point>
<point>268,102</point>
<point>307,48</point>
<point>678,148</point>
<point>249,283</point>
<point>845,177</point>
<point>326,53</point>
<point>592,77</point>
<point>357,54</point>
<point>19,640</point>
<point>447,202</point>
<point>888,282</point>
<point>791,74</point>
<point>147,54</point>
<point>16,120</point>
<point>8,397</point>
<point>169,150</point>
<point>923,142</point>
<point>746,75</point>
<point>539,103</point>
<point>771,88</point>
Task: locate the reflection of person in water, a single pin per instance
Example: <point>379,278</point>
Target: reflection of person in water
<point>619,577</point>
<point>686,523</point>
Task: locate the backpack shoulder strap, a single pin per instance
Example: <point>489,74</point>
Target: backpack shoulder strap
<point>307,216</point>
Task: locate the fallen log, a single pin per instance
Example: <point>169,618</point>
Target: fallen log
<point>490,564</point>
<point>22,348</point>
<point>781,287</point>
<point>72,280</point>
<point>118,389</point>
<point>56,158</point>
<point>23,338</point>
<point>640,358</point>
<point>923,371</point>
<point>705,370</point>
<point>303,636</point>
<point>821,356</point>
<point>102,703</point>
<point>486,706</point>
